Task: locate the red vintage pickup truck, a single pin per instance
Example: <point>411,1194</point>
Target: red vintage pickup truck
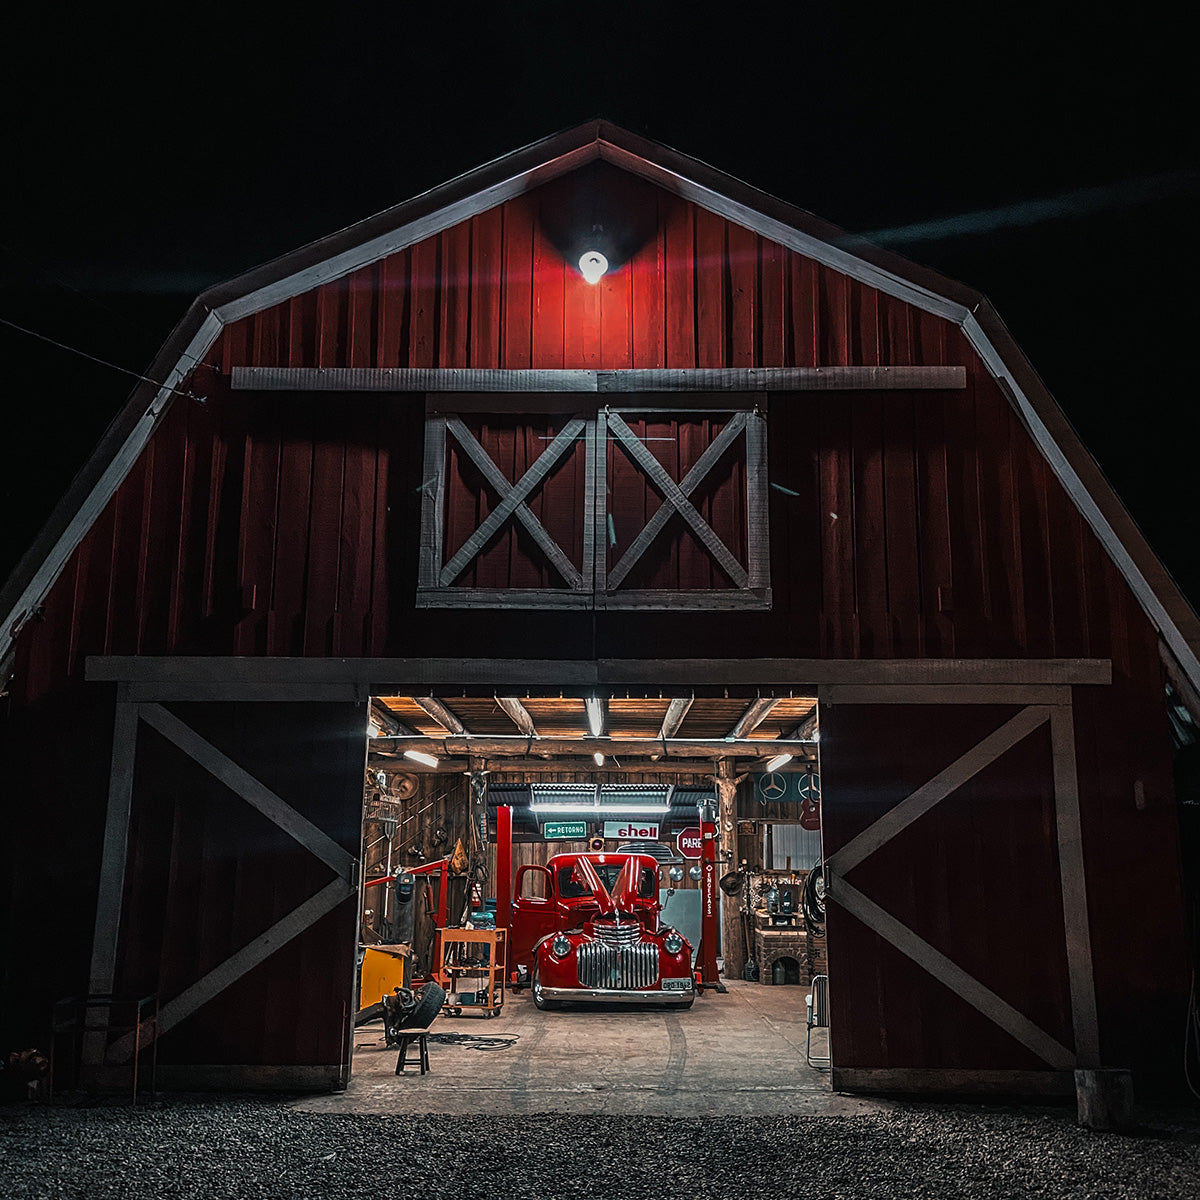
<point>585,927</point>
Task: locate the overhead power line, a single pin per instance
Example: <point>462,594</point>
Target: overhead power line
<point>189,395</point>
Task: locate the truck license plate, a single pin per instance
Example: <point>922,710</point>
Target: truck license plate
<point>676,985</point>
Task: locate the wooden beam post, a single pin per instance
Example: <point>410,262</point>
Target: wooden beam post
<point>733,941</point>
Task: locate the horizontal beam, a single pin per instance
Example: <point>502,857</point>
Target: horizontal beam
<point>501,770</point>
<point>450,746</point>
<point>698,379</point>
<point>220,677</point>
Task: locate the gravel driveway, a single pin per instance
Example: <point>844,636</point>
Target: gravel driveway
<point>255,1147</point>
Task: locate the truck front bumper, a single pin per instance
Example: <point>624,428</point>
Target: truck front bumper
<point>614,996</point>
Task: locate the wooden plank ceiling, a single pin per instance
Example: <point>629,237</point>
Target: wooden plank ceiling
<point>655,719</point>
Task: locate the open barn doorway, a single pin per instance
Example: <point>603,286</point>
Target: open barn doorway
<point>478,810</point>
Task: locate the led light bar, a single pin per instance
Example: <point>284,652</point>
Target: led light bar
<point>640,810</point>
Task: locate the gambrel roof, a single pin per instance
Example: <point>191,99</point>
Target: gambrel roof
<point>514,174</point>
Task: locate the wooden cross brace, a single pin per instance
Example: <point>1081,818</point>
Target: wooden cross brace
<point>512,502</point>
<point>675,499</point>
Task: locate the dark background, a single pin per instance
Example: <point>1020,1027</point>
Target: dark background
<point>1048,160</point>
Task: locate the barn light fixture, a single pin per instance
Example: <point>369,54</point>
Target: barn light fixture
<point>775,763</point>
<point>421,757</point>
<point>599,758</point>
<point>606,810</point>
<point>595,715</point>
<point>592,265</point>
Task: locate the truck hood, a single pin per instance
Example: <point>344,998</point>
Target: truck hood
<point>622,898</point>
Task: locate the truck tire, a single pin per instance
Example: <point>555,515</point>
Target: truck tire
<point>433,995</point>
<point>539,1002</point>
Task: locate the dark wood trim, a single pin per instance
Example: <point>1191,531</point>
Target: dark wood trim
<point>627,382</point>
<point>933,1081</point>
<point>175,675</point>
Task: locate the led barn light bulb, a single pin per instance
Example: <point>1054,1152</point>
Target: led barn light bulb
<point>592,265</point>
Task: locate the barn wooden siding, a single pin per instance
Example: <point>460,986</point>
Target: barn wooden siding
<point>905,524</point>
<point>922,524</point>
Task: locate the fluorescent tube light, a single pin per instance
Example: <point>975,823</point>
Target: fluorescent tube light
<point>773,764</point>
<point>421,757</point>
<point>615,810</point>
<point>595,715</point>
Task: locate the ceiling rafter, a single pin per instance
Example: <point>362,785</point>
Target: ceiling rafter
<point>519,715</point>
<point>756,712</point>
<point>441,714</point>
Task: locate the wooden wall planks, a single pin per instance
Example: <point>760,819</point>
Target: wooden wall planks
<point>906,524</point>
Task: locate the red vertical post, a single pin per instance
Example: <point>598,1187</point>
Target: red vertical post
<point>503,865</point>
<point>710,937</point>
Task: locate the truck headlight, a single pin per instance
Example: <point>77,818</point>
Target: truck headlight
<point>672,943</point>
<point>560,947</point>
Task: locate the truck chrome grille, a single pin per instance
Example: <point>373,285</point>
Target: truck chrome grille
<point>627,933</point>
<point>602,965</point>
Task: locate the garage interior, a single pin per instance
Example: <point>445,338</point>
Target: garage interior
<point>574,773</point>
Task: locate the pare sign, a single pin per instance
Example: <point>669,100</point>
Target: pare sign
<point>688,841</point>
<point>624,830</point>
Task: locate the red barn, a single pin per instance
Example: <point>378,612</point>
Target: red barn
<point>756,463</point>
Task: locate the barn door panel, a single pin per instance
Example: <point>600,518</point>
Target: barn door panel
<point>686,509</point>
<point>505,505</point>
<point>957,919</point>
<point>239,901</point>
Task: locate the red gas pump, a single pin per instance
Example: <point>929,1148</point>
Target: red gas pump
<point>710,937</point>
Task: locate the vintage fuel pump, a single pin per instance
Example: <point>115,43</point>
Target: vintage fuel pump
<point>710,938</point>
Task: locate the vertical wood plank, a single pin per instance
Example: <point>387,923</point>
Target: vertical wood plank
<point>454,322</point>
<point>711,291</point>
<point>805,311</point>
<point>648,283</point>
<point>548,303</point>
<point>869,528</point>
<point>903,546</point>
<point>744,314</point>
<point>679,243</point>
<point>487,245</point>
<point>517,285</point>
<point>774,326</point>
<point>616,334</point>
<point>392,311</point>
<point>423,311</point>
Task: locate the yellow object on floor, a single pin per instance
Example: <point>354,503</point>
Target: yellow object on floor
<point>383,968</point>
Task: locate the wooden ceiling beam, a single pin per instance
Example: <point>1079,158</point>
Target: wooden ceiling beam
<point>519,714</point>
<point>678,770</point>
<point>676,711</point>
<point>463,745</point>
<point>807,729</point>
<point>756,712</point>
<point>441,714</point>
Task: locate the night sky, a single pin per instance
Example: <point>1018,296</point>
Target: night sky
<point>1050,163</point>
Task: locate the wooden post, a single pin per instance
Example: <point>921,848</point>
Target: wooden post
<point>1104,1098</point>
<point>733,941</point>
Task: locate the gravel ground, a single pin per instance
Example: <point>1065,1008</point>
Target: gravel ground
<point>255,1147</point>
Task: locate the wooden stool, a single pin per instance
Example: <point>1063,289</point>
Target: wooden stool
<point>422,1048</point>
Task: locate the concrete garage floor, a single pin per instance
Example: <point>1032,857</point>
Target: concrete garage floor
<point>740,1053</point>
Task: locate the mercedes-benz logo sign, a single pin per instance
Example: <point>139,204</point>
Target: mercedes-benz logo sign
<point>773,786</point>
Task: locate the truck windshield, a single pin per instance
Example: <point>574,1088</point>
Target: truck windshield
<point>570,887</point>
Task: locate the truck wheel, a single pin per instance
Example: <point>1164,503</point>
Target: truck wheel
<point>539,1001</point>
<point>433,995</point>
